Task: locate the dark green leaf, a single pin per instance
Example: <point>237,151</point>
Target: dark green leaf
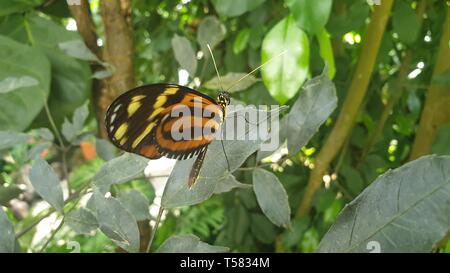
<point>24,84</point>
<point>315,103</point>
<point>262,229</point>
<point>189,244</point>
<point>46,183</point>
<point>17,6</point>
<point>284,74</point>
<point>241,41</point>
<point>272,197</point>
<point>8,193</point>
<point>395,210</point>
<point>405,22</point>
<point>310,15</point>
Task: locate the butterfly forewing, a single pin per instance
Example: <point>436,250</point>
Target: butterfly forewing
<point>163,120</point>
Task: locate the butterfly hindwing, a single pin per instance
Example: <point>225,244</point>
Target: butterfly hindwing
<point>141,121</point>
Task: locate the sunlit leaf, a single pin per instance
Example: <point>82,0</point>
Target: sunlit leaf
<point>189,244</point>
<point>272,197</point>
<point>241,41</point>
<point>230,80</point>
<point>184,53</point>
<point>326,51</point>
<point>284,74</point>
<point>315,103</point>
<point>395,209</point>
<point>310,15</point>
<point>12,83</point>
<point>78,49</point>
<point>46,183</point>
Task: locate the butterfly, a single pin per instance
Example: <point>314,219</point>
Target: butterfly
<point>166,120</point>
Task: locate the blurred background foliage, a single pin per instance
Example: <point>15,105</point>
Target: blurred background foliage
<point>56,58</point>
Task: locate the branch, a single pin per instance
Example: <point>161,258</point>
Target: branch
<point>352,103</point>
<point>85,25</point>
<point>436,111</point>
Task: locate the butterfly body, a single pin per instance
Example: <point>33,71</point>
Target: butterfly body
<point>166,120</point>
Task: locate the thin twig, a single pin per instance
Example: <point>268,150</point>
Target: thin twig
<point>35,223</point>
<point>52,235</point>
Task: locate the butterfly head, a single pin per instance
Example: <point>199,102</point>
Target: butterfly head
<point>223,98</point>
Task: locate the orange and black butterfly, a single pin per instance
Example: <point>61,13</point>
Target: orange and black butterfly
<point>149,120</point>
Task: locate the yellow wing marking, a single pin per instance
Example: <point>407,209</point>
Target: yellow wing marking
<point>121,131</point>
<point>133,107</point>
<point>160,100</point>
<point>155,113</point>
<point>147,131</point>
<point>170,91</point>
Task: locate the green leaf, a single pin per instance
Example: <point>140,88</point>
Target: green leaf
<point>326,51</point>
<point>45,134</point>
<point>119,170</point>
<point>215,167</point>
<point>405,22</point>
<point>440,145</point>
<point>7,236</point>
<point>233,8</point>
<point>71,130</point>
<point>105,150</point>
<point>46,183</point>
<point>81,220</point>
<point>136,203</point>
<point>189,244</point>
<point>70,79</point>
<point>8,193</point>
<point>17,6</point>
<point>24,84</point>
<point>78,49</point>
<point>310,15</point>
<point>241,41</point>
<point>230,80</point>
<point>184,54</point>
<point>116,222</point>
<point>262,229</point>
<point>272,197</point>
<point>284,74</point>
<point>9,139</point>
<point>395,210</point>
<point>315,103</point>
<point>211,31</point>
<point>229,183</point>
<point>35,151</point>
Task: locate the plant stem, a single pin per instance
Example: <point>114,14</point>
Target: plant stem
<point>52,236</point>
<point>158,220</point>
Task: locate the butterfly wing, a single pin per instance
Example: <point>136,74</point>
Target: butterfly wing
<point>141,120</point>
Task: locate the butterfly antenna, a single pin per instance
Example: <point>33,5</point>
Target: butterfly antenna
<point>254,70</point>
<point>215,66</point>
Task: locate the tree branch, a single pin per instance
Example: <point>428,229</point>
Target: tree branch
<point>85,25</point>
<point>352,103</point>
<point>436,111</point>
